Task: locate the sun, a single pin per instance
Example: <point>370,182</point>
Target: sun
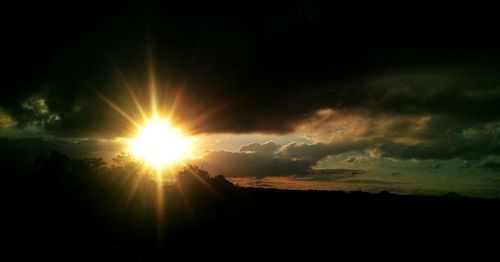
<point>159,144</point>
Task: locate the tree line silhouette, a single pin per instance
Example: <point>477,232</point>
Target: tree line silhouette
<point>83,209</point>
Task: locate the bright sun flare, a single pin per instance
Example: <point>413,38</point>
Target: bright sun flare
<point>159,144</point>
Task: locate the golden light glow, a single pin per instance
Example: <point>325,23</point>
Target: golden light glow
<point>160,133</point>
<point>159,144</point>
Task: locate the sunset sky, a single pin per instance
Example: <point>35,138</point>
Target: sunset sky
<point>303,95</point>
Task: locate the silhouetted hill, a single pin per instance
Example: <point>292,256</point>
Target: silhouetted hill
<point>452,195</point>
<point>83,210</point>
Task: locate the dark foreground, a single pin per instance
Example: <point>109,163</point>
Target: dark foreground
<point>79,210</point>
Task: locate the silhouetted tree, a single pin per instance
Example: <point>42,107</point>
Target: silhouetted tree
<point>85,203</point>
<point>124,160</point>
<point>193,176</point>
<point>52,169</point>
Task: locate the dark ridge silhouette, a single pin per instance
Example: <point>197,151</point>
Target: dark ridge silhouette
<point>453,195</point>
<point>81,209</point>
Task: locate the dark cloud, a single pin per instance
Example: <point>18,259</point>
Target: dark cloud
<point>270,159</point>
<point>438,166</point>
<point>353,159</point>
<point>468,144</point>
<point>255,68</point>
<point>318,151</point>
<point>439,149</point>
<point>267,148</point>
<point>493,166</point>
<point>466,164</point>
<point>330,174</point>
<point>370,182</point>
<point>252,164</point>
<point>337,171</point>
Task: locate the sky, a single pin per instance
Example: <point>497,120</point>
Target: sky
<point>401,97</point>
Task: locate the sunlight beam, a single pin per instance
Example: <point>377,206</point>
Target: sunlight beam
<point>118,109</point>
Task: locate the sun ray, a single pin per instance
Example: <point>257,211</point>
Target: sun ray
<point>152,85</point>
<point>160,203</point>
<point>127,86</point>
<point>185,200</point>
<point>139,180</point>
<point>118,109</point>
